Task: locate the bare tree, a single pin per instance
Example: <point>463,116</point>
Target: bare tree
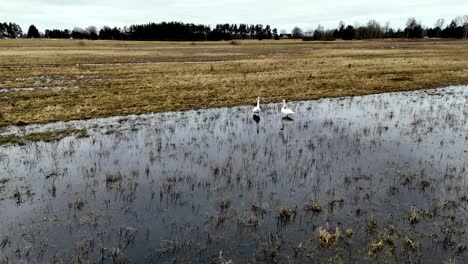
<point>438,27</point>
<point>411,22</point>
<point>465,26</point>
<point>92,32</point>
<point>413,28</point>
<point>373,29</point>
<point>439,23</point>
<point>341,24</point>
<point>386,28</point>
<point>458,21</point>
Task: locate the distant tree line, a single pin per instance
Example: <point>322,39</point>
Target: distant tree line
<point>178,31</point>
<point>173,31</point>
<point>457,28</point>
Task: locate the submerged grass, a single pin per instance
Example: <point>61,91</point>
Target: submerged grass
<point>280,211</point>
<point>70,80</point>
<point>4,181</point>
<point>47,136</point>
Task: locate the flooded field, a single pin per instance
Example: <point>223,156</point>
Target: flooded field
<point>379,178</point>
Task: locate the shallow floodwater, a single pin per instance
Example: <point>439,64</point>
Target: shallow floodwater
<point>389,172</point>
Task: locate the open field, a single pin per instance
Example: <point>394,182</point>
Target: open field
<point>53,80</point>
<point>354,179</point>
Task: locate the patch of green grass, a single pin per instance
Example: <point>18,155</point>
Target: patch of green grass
<point>81,133</point>
<point>47,136</point>
<point>4,181</point>
<point>11,139</point>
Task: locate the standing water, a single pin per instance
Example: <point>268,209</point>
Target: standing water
<point>349,179</point>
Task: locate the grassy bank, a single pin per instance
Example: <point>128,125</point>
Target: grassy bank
<point>54,80</point>
<point>47,136</point>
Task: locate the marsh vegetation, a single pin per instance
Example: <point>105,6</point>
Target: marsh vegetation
<point>365,178</point>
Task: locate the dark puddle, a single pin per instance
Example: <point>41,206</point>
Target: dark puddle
<point>349,179</point>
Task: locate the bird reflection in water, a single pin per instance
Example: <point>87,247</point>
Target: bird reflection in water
<point>256,118</point>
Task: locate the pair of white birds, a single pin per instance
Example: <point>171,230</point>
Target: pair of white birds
<point>284,110</point>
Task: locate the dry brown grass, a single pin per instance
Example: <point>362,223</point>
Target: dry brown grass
<point>107,78</point>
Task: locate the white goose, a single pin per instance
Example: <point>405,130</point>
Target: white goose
<point>285,110</point>
<point>256,110</point>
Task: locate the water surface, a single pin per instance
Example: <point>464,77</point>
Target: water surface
<point>185,186</point>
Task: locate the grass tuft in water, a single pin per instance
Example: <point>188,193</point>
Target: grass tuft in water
<point>285,213</point>
<point>113,178</point>
<point>48,136</point>
<point>375,248</point>
<point>372,224</point>
<point>77,204</point>
<point>327,238</point>
<point>4,181</point>
<point>313,206</point>
<point>414,216</point>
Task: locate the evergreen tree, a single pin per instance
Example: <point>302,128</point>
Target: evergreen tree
<point>33,32</point>
<point>348,33</point>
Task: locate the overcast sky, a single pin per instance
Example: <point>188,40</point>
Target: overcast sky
<point>282,14</point>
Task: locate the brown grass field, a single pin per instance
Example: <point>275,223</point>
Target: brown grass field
<point>56,80</point>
